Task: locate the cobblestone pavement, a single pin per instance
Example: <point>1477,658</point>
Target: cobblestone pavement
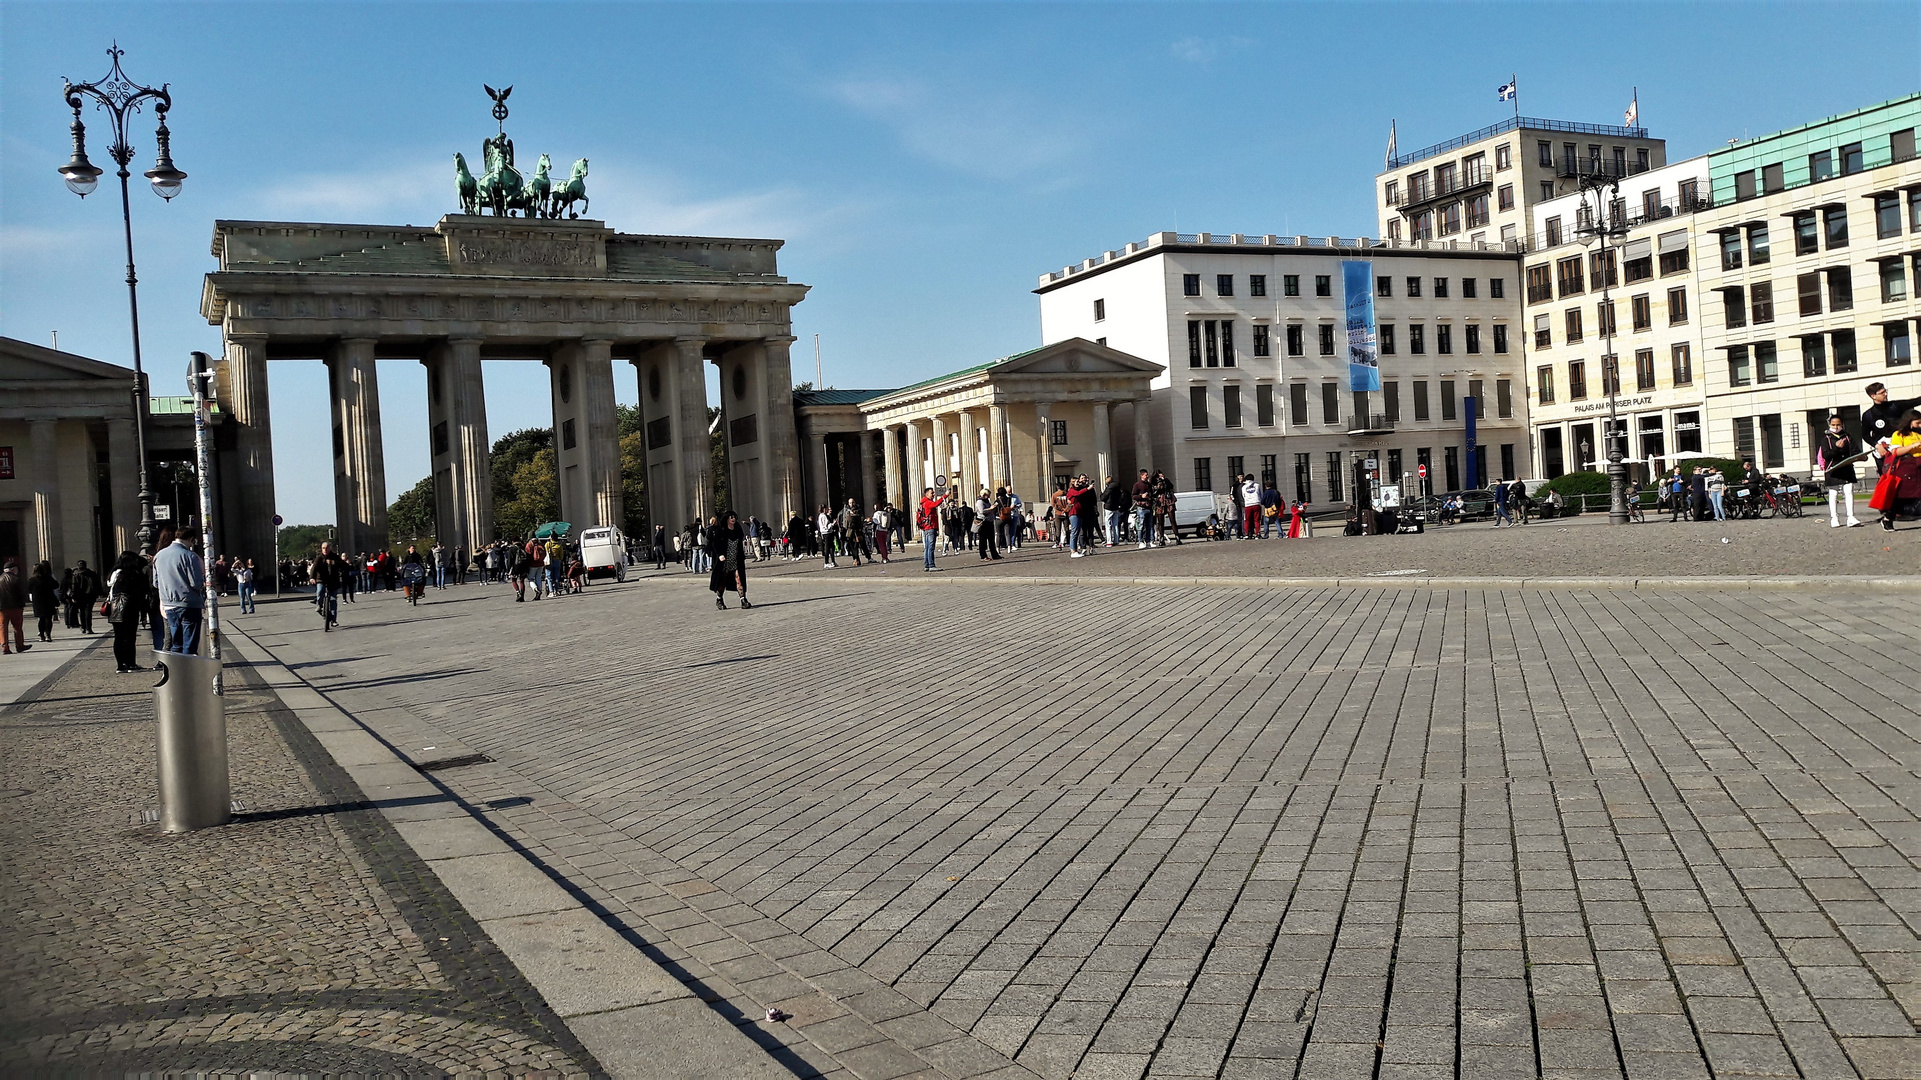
<point>1580,547</point>
<point>1126,831</point>
<point>305,937</point>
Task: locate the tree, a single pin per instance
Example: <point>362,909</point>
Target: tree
<point>412,515</point>
<point>302,541</point>
<point>717,461</point>
<point>633,483</point>
<point>535,488</point>
<point>510,452</point>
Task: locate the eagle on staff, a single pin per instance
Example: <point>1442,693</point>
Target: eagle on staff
<point>502,189</point>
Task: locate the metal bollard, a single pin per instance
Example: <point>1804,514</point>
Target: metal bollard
<point>193,743</point>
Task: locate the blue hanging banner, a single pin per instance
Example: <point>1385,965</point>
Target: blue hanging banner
<point>1363,344</point>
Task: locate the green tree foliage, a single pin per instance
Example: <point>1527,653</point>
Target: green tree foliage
<point>510,452</point>
<point>535,496</point>
<point>302,541</point>
<point>717,462</point>
<point>633,486</point>
<point>411,517</point>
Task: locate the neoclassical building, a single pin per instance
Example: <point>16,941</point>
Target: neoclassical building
<point>69,470</point>
<point>573,295</point>
<point>1027,422</point>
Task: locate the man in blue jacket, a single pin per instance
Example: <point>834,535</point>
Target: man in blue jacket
<point>180,579</point>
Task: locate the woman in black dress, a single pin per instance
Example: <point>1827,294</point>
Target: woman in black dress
<point>127,590</point>
<point>727,549</point>
<point>43,592</point>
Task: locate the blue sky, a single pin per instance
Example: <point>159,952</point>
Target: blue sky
<point>924,162</point>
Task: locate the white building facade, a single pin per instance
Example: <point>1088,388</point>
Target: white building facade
<point>1250,333</point>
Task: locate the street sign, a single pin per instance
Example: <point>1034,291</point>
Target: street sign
<point>1423,471</point>
<point>162,511</point>
<point>278,521</point>
<point>1371,464</point>
<point>940,480</point>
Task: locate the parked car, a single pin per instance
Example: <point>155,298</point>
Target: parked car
<point>1475,503</point>
<point>604,551</point>
<point>1192,508</point>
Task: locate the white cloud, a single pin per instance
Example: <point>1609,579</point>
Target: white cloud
<point>372,193</point>
<point>995,134</point>
<point>649,201</point>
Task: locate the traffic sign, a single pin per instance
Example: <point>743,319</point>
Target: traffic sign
<point>940,480</point>
<point>278,521</point>
<point>1372,463</point>
<point>1423,472</point>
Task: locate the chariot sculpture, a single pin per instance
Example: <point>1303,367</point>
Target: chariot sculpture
<point>500,189</point>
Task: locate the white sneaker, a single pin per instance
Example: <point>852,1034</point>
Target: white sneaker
<point>1078,555</point>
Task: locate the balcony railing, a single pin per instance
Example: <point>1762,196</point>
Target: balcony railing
<point>1575,167</point>
<point>1461,183</point>
<point>1526,123</point>
<point>1369,424</point>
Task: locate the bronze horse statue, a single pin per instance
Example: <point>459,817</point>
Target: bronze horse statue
<point>571,192</point>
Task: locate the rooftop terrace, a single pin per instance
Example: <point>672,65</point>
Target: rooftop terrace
<point>1517,123</point>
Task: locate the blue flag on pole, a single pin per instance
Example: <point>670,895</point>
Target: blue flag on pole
<point>1363,349</point>
<point>1506,91</point>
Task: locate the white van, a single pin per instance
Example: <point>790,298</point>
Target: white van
<point>604,551</point>
<point>1192,508</point>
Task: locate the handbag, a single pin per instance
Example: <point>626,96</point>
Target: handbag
<point>1884,491</point>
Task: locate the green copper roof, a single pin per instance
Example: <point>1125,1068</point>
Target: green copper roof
<point>837,397</point>
<point>975,370</point>
<point>428,255</point>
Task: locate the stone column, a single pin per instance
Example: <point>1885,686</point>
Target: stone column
<point>49,532</point>
<point>607,498</point>
<point>890,457</point>
<point>1144,436</point>
<point>692,450</point>
<point>969,456</point>
<point>360,464</point>
<point>655,370</point>
<point>473,492</point>
<point>1000,465</point>
<point>916,478</point>
<point>570,433</point>
<point>943,456</point>
<point>1044,450</point>
<point>822,490</point>
<point>249,525</point>
<point>1103,442</point>
<point>123,487</point>
<point>780,450</point>
<point>869,485</point>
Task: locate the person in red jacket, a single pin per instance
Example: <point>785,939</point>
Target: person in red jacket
<point>927,520</point>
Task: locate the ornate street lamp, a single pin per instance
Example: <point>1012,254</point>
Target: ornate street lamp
<point>120,97</point>
<point>1599,222</point>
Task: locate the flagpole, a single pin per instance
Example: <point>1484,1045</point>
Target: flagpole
<point>1514,80</point>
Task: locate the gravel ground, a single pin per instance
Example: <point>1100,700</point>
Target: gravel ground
<point>1583,547</point>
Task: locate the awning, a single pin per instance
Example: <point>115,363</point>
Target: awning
<point>1674,241</point>
<point>1638,249</point>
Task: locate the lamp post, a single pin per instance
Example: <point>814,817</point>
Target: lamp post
<point>120,96</point>
<point>1601,223</point>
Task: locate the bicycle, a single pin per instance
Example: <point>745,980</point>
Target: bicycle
<point>1787,498</point>
<point>414,576</point>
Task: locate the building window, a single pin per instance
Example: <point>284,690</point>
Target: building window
<point>1473,337</point>
<point>1577,380</point>
<point>1547,190</point>
<point>1203,474</point>
<point>1223,284</point>
<point>1841,345</point>
<point>1504,196</point>
<point>1821,166</point>
<point>1610,374</point>
<point>1327,339</point>
<point>1330,403</point>
<point>1394,229</point>
<point>1761,301</point>
<point>1734,307</point>
<point>1683,363</point>
<point>1674,254</point>
<point>1452,456</point>
<point>1391,399</point>
<point>1477,214</point>
<point>1190,284</point>
<point>1500,338</point>
<point>1227,343</point>
<point>1604,324</point>
<point>1297,404</point>
<point>1100,311</point>
<point>1773,452</point>
<point>1391,193</point>
<point>1323,285</point>
<point>1807,239</point>
<point>1604,269</point>
<point>1639,264</point>
<point>1417,339</point>
<point>1420,401</point>
<point>1569,273</point>
<point>1644,369</point>
<point>1231,405</point>
<point>1057,432</point>
<point>1814,356</point>
<point>1808,288</point>
<point>1497,288</point>
<point>1914,209</point>
<point>1758,245</point>
<point>1897,345</point>
<point>1440,288</point>
<point>1553,232</point>
<point>1731,250</point>
<point>1257,284</point>
<point>1543,337</point>
<point>1740,372</point>
<point>1468,291</point>
<point>1687,432</point>
<point>1504,399</point>
<point>1269,473</point>
<point>1641,308</point>
<point>1841,289</point>
<point>1236,466</point>
<point>1444,339</point>
<point>1572,320</point>
<point>1193,343</point>
<point>1294,346</point>
<point>1334,478</point>
<point>1850,159</point>
<point>1383,286</point>
<point>1447,399</point>
<point>1503,158</point>
<point>1210,336</point>
<point>1450,219</point>
<point>1197,407</point>
<point>1834,221</point>
<point>1744,184</point>
<point>1264,405</point>
<point>1261,346</point>
<point>1290,284</point>
<point>1677,306</point>
<point>1386,334</point>
<point>1413,286</point>
<point>1545,150</point>
<point>1304,478</point>
<point>1544,384</point>
<point>1894,281</point>
<point>1540,283</point>
<point>1744,437</point>
<point>1901,145</point>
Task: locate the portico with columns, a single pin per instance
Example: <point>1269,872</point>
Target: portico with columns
<point>574,295</point>
<point>1022,422</point>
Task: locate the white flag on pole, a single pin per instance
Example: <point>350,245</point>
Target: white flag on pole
<point>1390,144</point>
<point>1634,109</point>
<point>1506,90</point>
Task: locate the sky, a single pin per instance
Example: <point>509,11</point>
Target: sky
<point>924,162</point>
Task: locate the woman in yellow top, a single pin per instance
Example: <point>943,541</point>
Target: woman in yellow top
<point>1904,463</point>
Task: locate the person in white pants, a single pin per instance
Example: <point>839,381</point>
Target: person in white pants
<point>1838,446</point>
